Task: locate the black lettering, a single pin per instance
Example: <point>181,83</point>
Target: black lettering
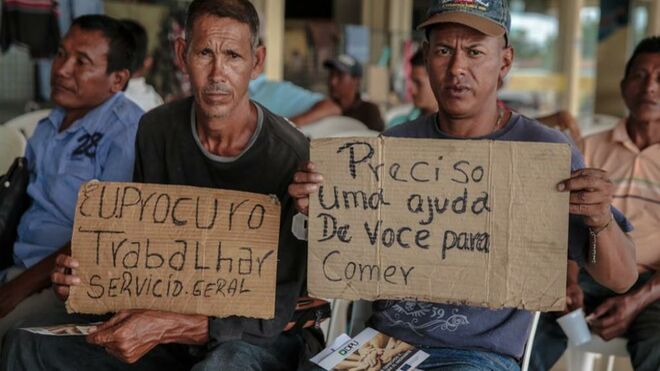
<point>197,266</point>
<point>335,204</point>
<point>221,259</point>
<point>460,203</point>
<point>421,236</point>
<point>176,220</point>
<point>247,261</point>
<point>96,290</point>
<point>181,254</point>
<point>132,253</point>
<point>325,261</point>
<point>212,222</point>
<point>480,204</point>
<point>166,197</point>
<point>465,175</point>
<point>262,212</point>
<point>399,238</point>
<point>232,210</point>
<point>394,172</point>
<point>389,272</point>
<point>412,172</point>
<point>352,162</point>
<point>114,210</point>
<point>153,256</point>
<point>137,198</point>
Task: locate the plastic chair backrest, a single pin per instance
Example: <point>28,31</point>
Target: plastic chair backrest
<point>12,145</point>
<point>26,123</point>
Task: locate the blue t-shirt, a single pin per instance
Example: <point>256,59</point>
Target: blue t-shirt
<point>503,331</point>
<point>100,145</point>
<point>282,97</point>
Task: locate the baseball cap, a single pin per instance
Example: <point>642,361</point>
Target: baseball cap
<point>345,63</point>
<point>491,17</point>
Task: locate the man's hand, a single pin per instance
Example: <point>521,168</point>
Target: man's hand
<point>11,294</point>
<point>574,297</point>
<point>62,277</point>
<point>591,195</point>
<point>305,182</point>
<point>613,317</point>
<point>130,334</point>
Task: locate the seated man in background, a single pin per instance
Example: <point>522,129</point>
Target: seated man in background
<point>631,153</point>
<point>299,105</point>
<point>467,55</point>
<point>89,135</point>
<point>217,138</point>
<point>344,78</point>
<point>138,90</point>
<point>421,92</point>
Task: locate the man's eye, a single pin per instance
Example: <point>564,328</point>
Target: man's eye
<point>205,52</point>
<point>474,52</point>
<point>444,51</point>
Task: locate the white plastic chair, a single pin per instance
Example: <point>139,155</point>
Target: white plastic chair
<point>583,358</point>
<point>336,126</point>
<point>12,145</point>
<point>530,341</point>
<point>398,111</point>
<point>26,123</point>
<point>338,322</point>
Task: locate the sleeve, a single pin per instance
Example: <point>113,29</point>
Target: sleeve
<point>376,119</point>
<point>578,232</point>
<point>291,271</point>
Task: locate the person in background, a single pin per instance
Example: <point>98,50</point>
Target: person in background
<point>631,153</point>
<point>344,78</point>
<point>90,134</point>
<point>422,95</point>
<point>138,90</point>
<point>284,98</point>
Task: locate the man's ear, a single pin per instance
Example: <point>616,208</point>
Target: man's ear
<point>259,61</point>
<point>180,50</point>
<point>119,80</point>
<point>507,62</point>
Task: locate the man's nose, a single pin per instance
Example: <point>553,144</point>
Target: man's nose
<point>458,64</point>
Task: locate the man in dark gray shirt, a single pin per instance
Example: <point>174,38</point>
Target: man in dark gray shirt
<point>219,139</point>
<point>467,56</point>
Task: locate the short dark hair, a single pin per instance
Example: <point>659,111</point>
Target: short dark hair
<point>417,60</point>
<point>141,41</point>
<point>121,45</point>
<point>239,10</point>
<point>648,45</point>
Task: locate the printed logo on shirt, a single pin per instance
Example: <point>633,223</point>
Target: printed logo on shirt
<point>87,145</point>
<point>422,317</point>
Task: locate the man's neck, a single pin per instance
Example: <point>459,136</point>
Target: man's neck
<point>227,136</point>
<point>71,116</point>
<point>348,102</point>
<point>643,133</point>
<point>484,123</point>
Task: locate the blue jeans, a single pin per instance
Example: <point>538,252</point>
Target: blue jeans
<point>643,334</point>
<point>448,359</point>
<point>23,350</point>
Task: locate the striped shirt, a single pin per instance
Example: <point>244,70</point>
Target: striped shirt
<point>636,175</point>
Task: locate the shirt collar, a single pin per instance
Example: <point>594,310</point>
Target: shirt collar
<point>620,135</point>
<point>91,122</point>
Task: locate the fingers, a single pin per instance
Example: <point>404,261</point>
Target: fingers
<point>307,166</point>
<point>586,179</point>
<point>602,309</point>
<point>305,182</point>
<point>117,318</point>
<point>64,262</point>
<point>64,279</point>
<point>307,177</point>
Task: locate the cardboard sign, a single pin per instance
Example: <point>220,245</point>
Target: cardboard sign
<point>477,222</point>
<point>175,248</point>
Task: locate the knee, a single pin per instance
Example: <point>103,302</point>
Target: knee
<point>18,347</point>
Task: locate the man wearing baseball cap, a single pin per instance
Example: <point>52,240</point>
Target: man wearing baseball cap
<point>344,77</point>
<point>467,55</point>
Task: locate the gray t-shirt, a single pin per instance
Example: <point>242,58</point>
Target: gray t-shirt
<point>503,331</point>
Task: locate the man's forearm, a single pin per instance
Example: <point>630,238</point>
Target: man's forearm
<point>320,110</point>
<point>615,266</point>
<point>649,293</point>
<point>186,329</point>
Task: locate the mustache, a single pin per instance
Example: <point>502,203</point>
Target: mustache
<point>217,88</point>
